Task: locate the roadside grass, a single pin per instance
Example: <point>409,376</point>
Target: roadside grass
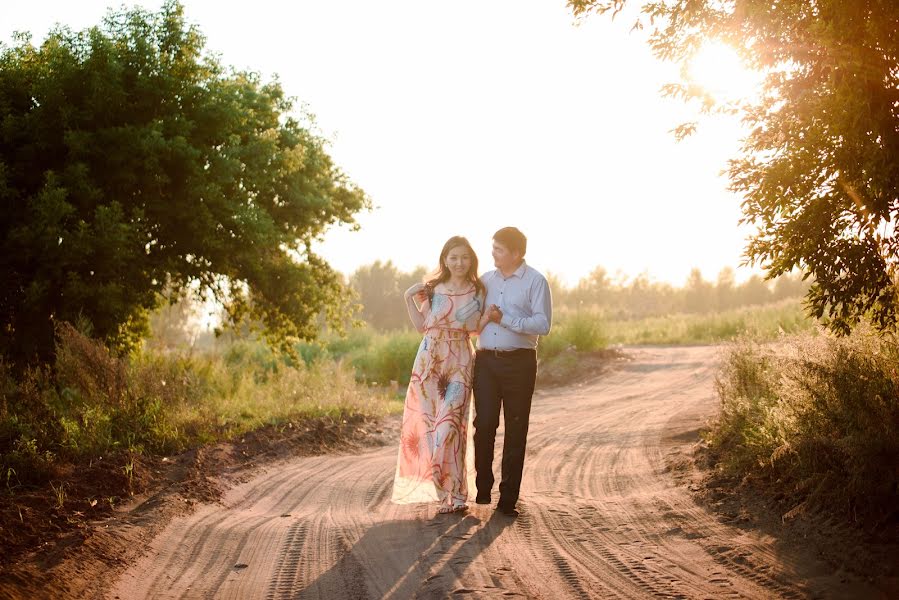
<point>385,358</point>
<point>763,322</point>
<point>570,352</point>
<point>91,403</point>
<point>388,357</point>
<point>815,418</point>
<point>378,359</point>
<point>575,331</point>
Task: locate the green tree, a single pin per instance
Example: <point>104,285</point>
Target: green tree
<point>557,288</point>
<point>699,295</point>
<point>754,291</point>
<point>790,285</point>
<point>170,323</point>
<point>724,289</point>
<point>131,160</point>
<point>594,289</point>
<point>380,288</point>
<point>819,170</point>
<point>643,297</point>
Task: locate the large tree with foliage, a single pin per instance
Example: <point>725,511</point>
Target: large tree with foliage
<point>132,160</point>
<point>819,170</point>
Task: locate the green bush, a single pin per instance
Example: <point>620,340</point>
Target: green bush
<point>581,331</point>
<point>91,402</point>
<point>376,357</point>
<point>29,429</point>
<point>819,414</point>
<point>389,357</point>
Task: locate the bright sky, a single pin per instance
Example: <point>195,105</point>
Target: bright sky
<point>464,117</point>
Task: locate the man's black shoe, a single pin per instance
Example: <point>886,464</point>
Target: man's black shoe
<point>482,500</point>
<point>509,511</point>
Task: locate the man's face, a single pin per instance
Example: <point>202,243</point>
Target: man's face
<point>503,258</point>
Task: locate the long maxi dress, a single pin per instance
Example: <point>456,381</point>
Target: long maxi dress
<point>432,457</point>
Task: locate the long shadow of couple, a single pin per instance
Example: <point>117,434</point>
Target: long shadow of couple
<point>408,558</point>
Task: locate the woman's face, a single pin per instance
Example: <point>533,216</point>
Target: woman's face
<point>458,261</point>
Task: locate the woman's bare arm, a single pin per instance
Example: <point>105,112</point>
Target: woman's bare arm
<point>417,291</point>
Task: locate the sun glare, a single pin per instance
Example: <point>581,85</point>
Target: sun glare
<point>716,67</point>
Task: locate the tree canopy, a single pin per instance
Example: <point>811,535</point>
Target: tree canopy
<point>380,287</point>
<point>819,169</point>
<point>132,160</point>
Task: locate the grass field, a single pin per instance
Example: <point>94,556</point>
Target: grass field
<point>381,358</point>
<point>764,322</point>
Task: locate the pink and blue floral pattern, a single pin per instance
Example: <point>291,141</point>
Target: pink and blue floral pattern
<point>434,435</point>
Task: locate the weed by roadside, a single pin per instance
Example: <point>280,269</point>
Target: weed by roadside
<point>80,435</point>
<point>578,331</point>
<point>817,418</point>
<point>766,322</point>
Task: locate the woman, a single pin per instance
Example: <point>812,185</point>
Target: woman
<point>449,309</point>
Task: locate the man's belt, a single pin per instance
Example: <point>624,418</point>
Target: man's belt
<point>507,353</point>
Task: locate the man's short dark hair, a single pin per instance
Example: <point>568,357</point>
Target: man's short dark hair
<point>513,239</point>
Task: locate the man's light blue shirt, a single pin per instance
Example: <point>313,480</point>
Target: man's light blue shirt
<point>526,303</point>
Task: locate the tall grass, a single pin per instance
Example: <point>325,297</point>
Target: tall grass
<point>383,357</point>
<point>759,322</point>
<point>580,331</point>
<point>377,358</point>
<point>388,357</point>
<point>817,415</point>
<point>90,402</point>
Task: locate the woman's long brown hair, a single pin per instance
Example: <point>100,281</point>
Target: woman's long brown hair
<point>442,274</point>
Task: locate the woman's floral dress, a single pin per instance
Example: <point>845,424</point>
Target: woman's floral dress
<point>432,464</point>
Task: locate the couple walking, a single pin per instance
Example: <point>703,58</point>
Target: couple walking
<point>507,309</point>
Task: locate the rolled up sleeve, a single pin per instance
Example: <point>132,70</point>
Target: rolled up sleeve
<point>540,321</point>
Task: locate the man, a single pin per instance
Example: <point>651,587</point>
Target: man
<point>520,310</point>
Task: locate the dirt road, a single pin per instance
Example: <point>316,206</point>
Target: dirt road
<point>600,516</point>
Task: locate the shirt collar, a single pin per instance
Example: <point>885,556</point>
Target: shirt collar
<point>521,269</point>
<point>519,272</point>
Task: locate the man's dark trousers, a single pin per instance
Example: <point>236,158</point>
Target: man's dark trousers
<point>502,379</point>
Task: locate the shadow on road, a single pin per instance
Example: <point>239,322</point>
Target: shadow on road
<point>405,559</point>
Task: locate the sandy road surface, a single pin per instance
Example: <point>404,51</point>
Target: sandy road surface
<point>599,516</point>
